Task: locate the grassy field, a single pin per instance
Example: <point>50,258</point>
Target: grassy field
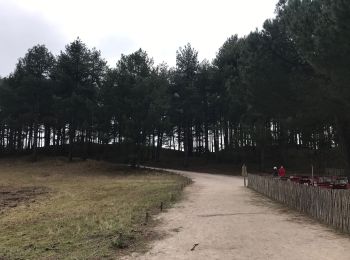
<point>82,210</point>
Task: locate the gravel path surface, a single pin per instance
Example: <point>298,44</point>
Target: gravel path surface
<point>221,219</point>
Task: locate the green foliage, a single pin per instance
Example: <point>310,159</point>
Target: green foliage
<point>78,74</point>
<point>320,30</point>
<point>279,88</point>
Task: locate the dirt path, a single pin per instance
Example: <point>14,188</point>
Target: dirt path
<point>220,219</point>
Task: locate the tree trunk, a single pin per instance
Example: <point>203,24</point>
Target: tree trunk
<point>159,145</point>
<point>153,154</point>
<point>226,130</point>
<point>186,148</point>
<point>85,145</point>
<point>343,129</point>
<point>35,141</point>
<point>19,139</point>
<point>190,141</point>
<point>47,137</point>
<point>71,141</point>
<point>179,138</point>
<point>206,137</point>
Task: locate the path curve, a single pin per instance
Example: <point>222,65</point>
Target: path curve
<point>229,221</point>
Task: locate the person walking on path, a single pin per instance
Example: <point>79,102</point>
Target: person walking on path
<point>275,171</point>
<point>281,172</point>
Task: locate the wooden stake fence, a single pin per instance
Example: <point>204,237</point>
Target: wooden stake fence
<point>329,206</point>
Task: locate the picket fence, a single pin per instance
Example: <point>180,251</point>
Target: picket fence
<point>326,205</point>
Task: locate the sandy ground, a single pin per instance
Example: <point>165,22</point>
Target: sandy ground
<point>228,221</point>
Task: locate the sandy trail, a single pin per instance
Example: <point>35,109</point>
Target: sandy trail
<point>228,221</point>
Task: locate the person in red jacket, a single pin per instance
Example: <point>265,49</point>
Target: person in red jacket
<point>281,172</point>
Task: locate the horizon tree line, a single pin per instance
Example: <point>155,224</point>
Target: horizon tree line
<point>278,91</point>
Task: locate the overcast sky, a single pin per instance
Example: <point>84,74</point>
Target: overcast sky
<point>114,26</point>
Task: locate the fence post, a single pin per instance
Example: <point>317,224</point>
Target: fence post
<point>244,174</point>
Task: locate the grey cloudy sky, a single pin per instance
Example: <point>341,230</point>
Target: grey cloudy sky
<point>122,26</point>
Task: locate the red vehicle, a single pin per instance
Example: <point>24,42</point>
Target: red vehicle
<point>340,183</point>
<point>324,182</point>
<point>306,180</point>
<point>294,179</point>
<point>327,182</point>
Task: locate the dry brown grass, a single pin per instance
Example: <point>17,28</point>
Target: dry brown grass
<point>90,211</point>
